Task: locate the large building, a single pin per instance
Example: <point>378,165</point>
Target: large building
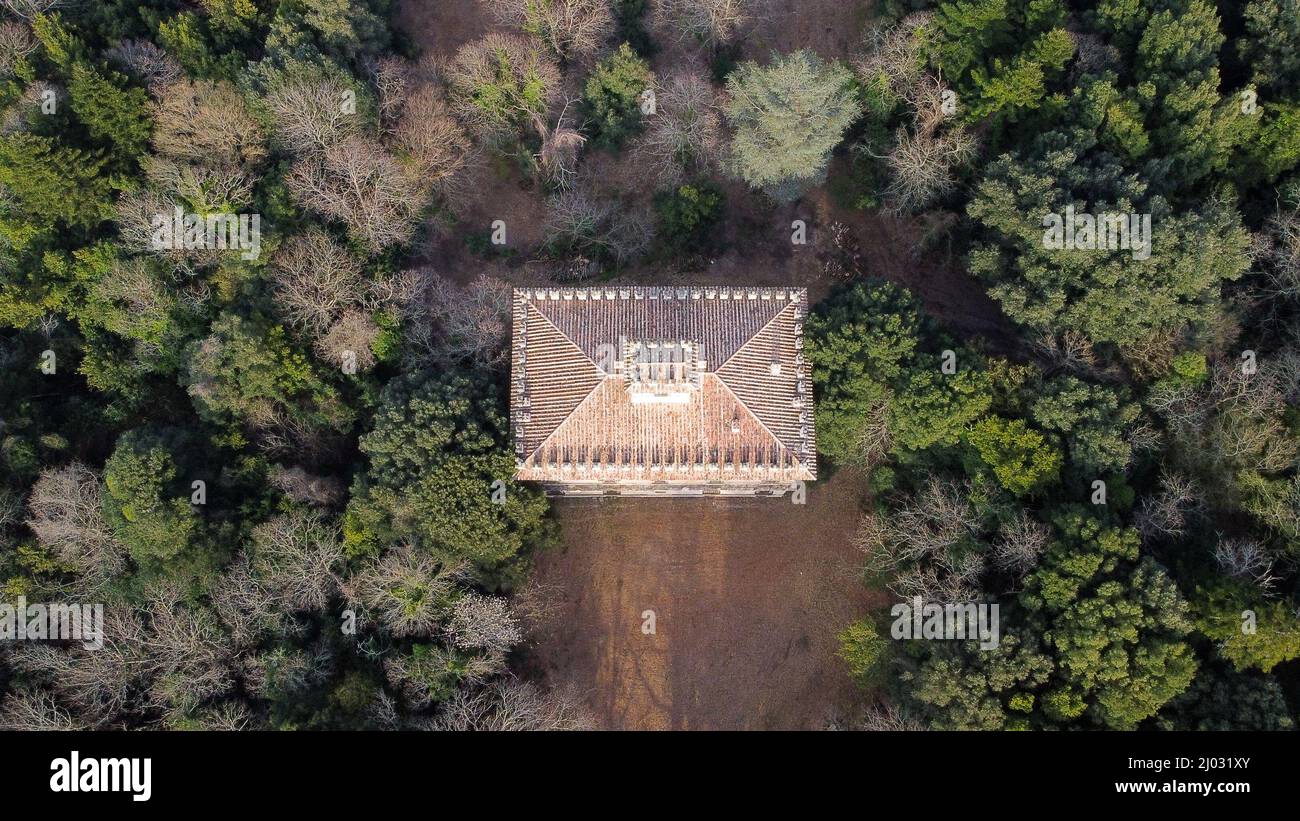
<point>661,390</point>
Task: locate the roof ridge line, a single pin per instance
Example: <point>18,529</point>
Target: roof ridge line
<point>600,383</point>
<point>754,336</point>
<point>760,422</point>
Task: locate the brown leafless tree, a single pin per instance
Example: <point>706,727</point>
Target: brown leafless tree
<point>1163,515</point>
<point>1246,559</point>
<point>888,718</point>
<point>895,55</point>
<point>298,555</point>
<point>512,704</point>
<point>406,590</point>
<point>391,78</point>
<point>571,29</point>
<point>25,112</point>
<point>157,69</point>
<point>227,716</point>
<point>684,136</point>
<point>450,323</point>
<point>247,606</point>
<point>581,221</point>
<point>100,686</point>
<point>282,671</point>
<point>307,488</point>
<point>1019,544</point>
<point>708,22</point>
<point>349,342</point>
<point>315,279</point>
<point>558,157</point>
<point>29,9</point>
<point>921,166</point>
<point>429,138</point>
<point>207,189</point>
<point>927,542</point>
<point>66,515</point>
<point>25,711</point>
<point>16,42</point>
<point>199,121</point>
<point>187,657</point>
<point>481,622</point>
<point>506,112</point>
<point>310,111</point>
<point>358,183</point>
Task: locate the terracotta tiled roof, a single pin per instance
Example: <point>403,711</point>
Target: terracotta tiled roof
<point>676,385</point>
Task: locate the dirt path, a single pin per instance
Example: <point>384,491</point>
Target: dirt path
<point>747,596</point>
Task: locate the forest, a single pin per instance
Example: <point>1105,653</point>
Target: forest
<point>254,337</point>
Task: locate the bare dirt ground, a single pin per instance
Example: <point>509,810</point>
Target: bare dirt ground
<point>832,28</point>
<point>748,595</point>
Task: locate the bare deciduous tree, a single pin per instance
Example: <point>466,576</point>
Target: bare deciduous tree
<point>100,686</point>
<point>1246,559</point>
<point>888,718</point>
<point>928,543</point>
<point>685,136</point>
<point>579,221</point>
<point>572,29</point>
<point>66,515</point>
<point>1020,542</point>
<point>1164,514</point>
<point>209,189</point>
<point>25,711</point>
<point>558,157</point>
<point>360,184</point>
<point>483,623</point>
<point>228,716</point>
<point>297,555</point>
<point>895,56</point>
<point>186,655</point>
<point>449,323</point>
<point>349,342</point>
<point>198,121</point>
<point>1094,55</point>
<point>282,671</point>
<point>29,9</point>
<point>157,69</point>
<point>247,606</point>
<point>407,591</point>
<point>307,488</point>
<point>315,279</point>
<point>427,136</point>
<point>708,22</point>
<point>511,704</point>
<point>391,79</point>
<point>16,42</point>
<point>921,164</point>
<point>309,111</point>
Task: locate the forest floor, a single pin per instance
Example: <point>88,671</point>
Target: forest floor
<point>747,598</point>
